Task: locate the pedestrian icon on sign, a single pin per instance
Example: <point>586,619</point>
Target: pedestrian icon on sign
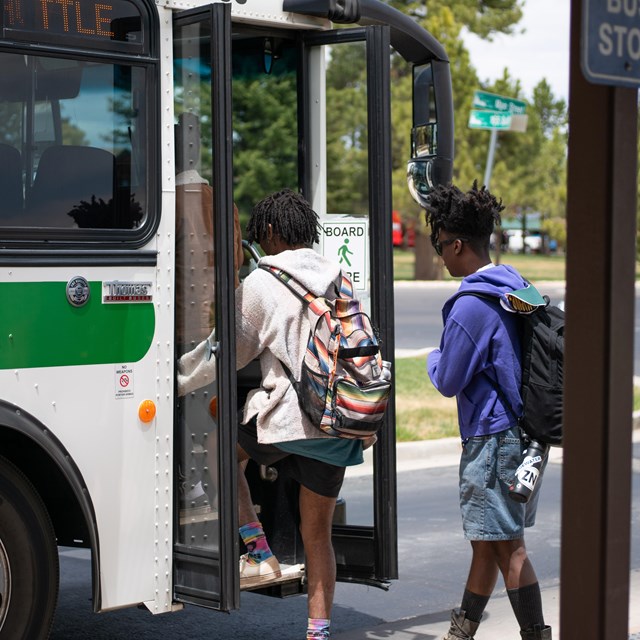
<point>343,251</point>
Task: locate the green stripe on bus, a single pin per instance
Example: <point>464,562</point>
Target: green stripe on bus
<point>40,328</point>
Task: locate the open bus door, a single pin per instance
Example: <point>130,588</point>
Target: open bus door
<point>206,549</point>
<point>273,86</point>
<point>365,531</point>
<point>206,540</point>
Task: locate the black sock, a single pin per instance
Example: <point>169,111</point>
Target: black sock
<point>526,603</point>
<point>473,605</point>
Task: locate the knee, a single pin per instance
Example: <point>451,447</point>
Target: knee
<point>511,553</point>
<point>316,533</point>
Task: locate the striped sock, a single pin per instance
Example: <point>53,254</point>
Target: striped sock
<point>256,542</point>
<point>318,629</point>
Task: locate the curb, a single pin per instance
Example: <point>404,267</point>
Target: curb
<point>445,452</point>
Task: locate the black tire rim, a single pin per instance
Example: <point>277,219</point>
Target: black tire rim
<point>5,584</point>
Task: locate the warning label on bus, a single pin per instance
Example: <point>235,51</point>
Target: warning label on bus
<point>124,381</point>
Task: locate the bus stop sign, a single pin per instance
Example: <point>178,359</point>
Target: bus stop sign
<point>611,42</point>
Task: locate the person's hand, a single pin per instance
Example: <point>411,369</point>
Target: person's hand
<point>369,442</point>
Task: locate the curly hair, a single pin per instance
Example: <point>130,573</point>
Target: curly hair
<point>290,216</point>
<point>471,215</point>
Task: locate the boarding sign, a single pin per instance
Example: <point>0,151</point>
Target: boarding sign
<point>345,240</point>
<point>611,42</point>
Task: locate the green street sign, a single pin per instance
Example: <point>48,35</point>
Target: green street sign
<point>493,102</point>
<point>489,120</point>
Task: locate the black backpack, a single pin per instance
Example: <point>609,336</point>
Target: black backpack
<point>542,343</point>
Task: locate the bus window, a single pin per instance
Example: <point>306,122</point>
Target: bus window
<point>80,135</point>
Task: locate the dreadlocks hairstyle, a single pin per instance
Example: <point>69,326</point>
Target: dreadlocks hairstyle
<point>471,215</point>
<point>290,216</point>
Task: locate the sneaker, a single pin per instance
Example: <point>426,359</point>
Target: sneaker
<point>195,507</point>
<point>253,575</point>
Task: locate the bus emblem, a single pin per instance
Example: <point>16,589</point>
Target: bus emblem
<point>78,291</point>
<point>118,291</point>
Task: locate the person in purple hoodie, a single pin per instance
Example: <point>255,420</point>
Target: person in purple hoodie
<point>480,353</point>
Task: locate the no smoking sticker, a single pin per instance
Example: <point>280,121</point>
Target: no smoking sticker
<point>124,381</point>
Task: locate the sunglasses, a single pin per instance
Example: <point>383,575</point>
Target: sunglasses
<point>445,243</point>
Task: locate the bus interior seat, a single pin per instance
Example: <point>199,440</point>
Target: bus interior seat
<point>74,186</point>
<point>10,185</point>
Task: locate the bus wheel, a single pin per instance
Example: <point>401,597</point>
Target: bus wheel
<point>28,559</point>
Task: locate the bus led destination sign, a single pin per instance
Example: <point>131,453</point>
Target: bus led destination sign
<point>113,20</point>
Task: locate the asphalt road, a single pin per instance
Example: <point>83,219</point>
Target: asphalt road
<point>418,310</point>
<point>433,563</point>
<point>418,314</point>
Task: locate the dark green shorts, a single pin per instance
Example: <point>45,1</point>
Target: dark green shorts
<point>320,477</point>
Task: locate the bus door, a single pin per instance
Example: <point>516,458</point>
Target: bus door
<point>206,540</point>
<point>278,77</point>
<point>347,178</point>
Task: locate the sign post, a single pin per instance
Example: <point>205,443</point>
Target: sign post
<point>496,113</point>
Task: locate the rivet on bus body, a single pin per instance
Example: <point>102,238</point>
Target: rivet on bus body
<point>147,411</point>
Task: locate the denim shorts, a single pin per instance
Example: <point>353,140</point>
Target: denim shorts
<point>487,468</point>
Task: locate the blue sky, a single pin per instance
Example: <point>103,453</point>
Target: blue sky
<point>542,51</point>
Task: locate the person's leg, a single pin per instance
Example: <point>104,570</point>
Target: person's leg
<point>316,516</point>
<point>246,510</point>
<point>258,565</point>
<point>481,581</point>
<point>522,587</point>
<point>483,572</point>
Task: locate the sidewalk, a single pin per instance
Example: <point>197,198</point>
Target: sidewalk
<point>498,623</point>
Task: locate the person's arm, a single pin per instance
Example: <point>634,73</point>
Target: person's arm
<point>197,368</point>
<point>253,314</point>
<point>453,365</point>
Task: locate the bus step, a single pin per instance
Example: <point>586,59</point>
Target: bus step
<point>197,518</point>
<point>288,584</point>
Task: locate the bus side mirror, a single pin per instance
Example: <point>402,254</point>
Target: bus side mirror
<point>431,161</point>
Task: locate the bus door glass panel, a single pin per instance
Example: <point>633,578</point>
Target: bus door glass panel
<point>197,425</point>
<point>348,201</point>
<point>205,553</point>
<point>265,116</point>
<point>77,132</point>
<point>265,67</point>
<point>355,183</point>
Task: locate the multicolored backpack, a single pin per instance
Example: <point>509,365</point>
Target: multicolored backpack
<point>345,385</point>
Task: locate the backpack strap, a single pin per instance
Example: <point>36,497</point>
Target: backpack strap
<point>342,287</point>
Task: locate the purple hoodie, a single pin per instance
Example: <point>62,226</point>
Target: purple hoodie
<point>480,341</point>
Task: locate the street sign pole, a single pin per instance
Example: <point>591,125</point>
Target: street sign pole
<point>493,141</point>
<point>496,113</point>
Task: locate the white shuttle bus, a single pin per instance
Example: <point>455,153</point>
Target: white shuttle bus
<point>100,279</point>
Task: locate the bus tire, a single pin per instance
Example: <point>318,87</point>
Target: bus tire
<point>29,570</point>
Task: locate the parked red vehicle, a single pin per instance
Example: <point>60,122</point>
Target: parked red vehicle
<point>403,236</point>
<point>398,231</point>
